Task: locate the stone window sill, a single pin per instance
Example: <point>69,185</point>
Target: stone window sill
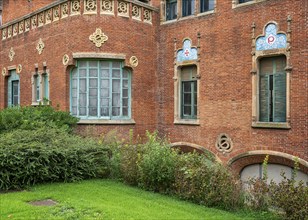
<point>187,122</point>
<point>107,122</point>
<point>239,5</point>
<point>273,125</point>
<point>39,103</point>
<point>188,17</point>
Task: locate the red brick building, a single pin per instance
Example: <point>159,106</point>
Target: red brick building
<point>224,76</point>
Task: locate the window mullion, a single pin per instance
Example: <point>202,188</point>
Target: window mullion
<point>87,90</point>
<point>99,90</point>
<point>121,92</point>
<point>110,90</point>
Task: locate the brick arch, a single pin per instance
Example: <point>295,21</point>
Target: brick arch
<point>190,147</point>
<point>239,162</point>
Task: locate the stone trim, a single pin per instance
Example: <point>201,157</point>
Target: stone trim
<point>99,55</point>
<point>236,4</point>
<point>107,121</point>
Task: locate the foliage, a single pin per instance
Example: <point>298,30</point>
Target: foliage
<point>32,118</point>
<point>48,155</point>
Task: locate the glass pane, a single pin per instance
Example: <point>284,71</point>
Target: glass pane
<point>15,100</point>
<point>74,101</point>
<point>93,83</point>
<point>105,73</point>
<point>104,92</point>
<point>125,111</point>
<point>116,64</point>
<point>93,73</point>
<point>82,100</point>
<point>74,73</point>
<point>187,99</point>
<point>116,73</point>
<point>125,83</point>
<point>125,102</point>
<point>104,64</point>
<point>125,73</point>
<point>93,102</point>
<point>104,83</point>
<point>74,83</point>
<point>125,93</point>
<point>115,111</point>
<point>104,111</point>
<point>82,73</point>
<point>93,111</point>
<point>74,92</point>
<point>82,64</point>
<point>93,63</point>
<point>15,88</point>
<point>187,110</point>
<point>82,111</point>
<point>116,85</point>
<point>104,102</point>
<point>82,85</point>
<point>74,110</point>
<point>93,92</point>
<point>116,99</point>
<point>187,86</point>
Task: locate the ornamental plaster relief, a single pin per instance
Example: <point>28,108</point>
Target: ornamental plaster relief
<point>3,71</point>
<point>98,37</point>
<point>75,7</point>
<point>65,59</point>
<point>48,16</point>
<point>123,8</point>
<point>133,61</point>
<point>56,13</point>
<point>40,46</point>
<point>90,7</point>
<point>136,12</point>
<point>64,10</point>
<point>11,54</point>
<point>21,27</point>
<point>107,7</point>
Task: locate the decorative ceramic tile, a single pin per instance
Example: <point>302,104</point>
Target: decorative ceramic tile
<point>271,40</point>
<point>187,53</point>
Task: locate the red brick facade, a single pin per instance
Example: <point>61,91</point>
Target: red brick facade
<point>225,102</point>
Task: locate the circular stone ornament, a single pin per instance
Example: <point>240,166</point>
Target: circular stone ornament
<point>224,143</point>
<point>133,61</point>
<point>3,71</point>
<point>65,59</point>
<point>19,69</point>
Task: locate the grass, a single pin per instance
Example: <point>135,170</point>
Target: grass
<point>107,199</point>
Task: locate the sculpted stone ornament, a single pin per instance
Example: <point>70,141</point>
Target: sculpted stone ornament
<point>98,37</point>
<point>11,54</point>
<point>40,46</point>
<point>3,71</point>
<point>65,59</point>
<point>224,143</point>
<point>133,61</point>
<point>19,69</point>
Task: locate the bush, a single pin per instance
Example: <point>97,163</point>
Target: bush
<point>31,118</point>
<point>48,155</point>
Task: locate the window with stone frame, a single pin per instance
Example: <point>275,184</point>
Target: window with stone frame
<point>244,1</point>
<point>171,9</point>
<point>188,7</point>
<point>40,87</point>
<point>188,92</point>
<point>100,89</point>
<point>206,5</point>
<point>13,89</point>
<point>272,89</point>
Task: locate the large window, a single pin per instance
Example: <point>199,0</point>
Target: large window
<point>13,91</point>
<point>100,90</point>
<point>207,5</point>
<point>272,90</point>
<point>189,92</point>
<point>171,9</point>
<point>188,7</point>
<point>40,88</point>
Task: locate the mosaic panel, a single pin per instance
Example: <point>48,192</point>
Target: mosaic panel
<point>271,40</point>
<point>187,53</point>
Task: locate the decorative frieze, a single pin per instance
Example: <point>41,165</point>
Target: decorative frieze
<point>65,8</point>
<point>107,7</point>
<point>123,8</point>
<point>90,7</point>
<point>75,7</point>
<point>136,12</point>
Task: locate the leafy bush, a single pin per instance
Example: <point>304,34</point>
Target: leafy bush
<point>48,155</point>
<point>204,181</point>
<point>31,118</point>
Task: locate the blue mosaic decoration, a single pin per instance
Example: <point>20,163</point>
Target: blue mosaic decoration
<point>187,53</point>
<point>271,40</point>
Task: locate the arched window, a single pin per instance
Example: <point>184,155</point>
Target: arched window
<point>100,89</point>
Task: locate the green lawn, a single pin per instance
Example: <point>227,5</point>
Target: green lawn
<point>106,199</point>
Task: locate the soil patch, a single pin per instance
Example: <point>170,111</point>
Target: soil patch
<point>46,202</point>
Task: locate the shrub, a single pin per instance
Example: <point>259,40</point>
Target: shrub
<point>31,118</point>
<point>48,155</point>
<point>207,182</point>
